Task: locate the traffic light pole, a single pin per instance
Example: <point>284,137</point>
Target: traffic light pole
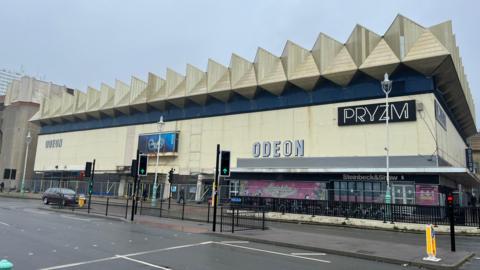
<point>451,217</point>
<point>134,195</point>
<point>90,186</point>
<point>215,191</point>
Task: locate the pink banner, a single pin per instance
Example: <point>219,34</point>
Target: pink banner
<point>284,189</point>
<point>426,194</point>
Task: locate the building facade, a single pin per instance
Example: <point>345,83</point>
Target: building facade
<point>21,102</point>
<point>6,77</point>
<point>309,124</point>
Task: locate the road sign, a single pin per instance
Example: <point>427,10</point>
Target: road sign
<point>142,165</point>
<point>225,163</point>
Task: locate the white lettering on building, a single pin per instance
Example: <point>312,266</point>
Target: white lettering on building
<point>276,149</point>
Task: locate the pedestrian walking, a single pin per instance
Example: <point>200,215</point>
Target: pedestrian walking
<point>145,194</point>
<point>2,186</point>
<point>181,197</point>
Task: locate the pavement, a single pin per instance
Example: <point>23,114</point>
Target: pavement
<point>395,248</point>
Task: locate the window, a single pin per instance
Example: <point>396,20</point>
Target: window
<point>6,174</point>
<point>13,174</point>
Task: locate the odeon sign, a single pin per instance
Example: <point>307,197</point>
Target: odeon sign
<point>278,149</point>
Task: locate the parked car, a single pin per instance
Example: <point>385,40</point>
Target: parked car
<point>62,196</point>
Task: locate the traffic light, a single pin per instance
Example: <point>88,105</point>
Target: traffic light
<point>90,188</point>
<point>450,200</point>
<point>170,175</point>
<point>88,169</point>
<point>225,163</point>
<point>133,168</point>
<point>142,165</point>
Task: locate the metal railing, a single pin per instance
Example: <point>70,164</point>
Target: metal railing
<point>438,215</point>
<point>235,218</point>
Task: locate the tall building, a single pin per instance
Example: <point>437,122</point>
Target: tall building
<point>21,102</point>
<point>6,77</point>
<point>308,124</point>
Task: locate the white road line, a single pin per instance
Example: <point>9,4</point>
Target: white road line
<point>235,242</point>
<point>142,262</point>
<point>40,212</point>
<point>4,224</point>
<point>80,263</point>
<point>273,252</point>
<point>126,255</point>
<point>165,249</point>
<point>308,254</point>
<point>75,218</point>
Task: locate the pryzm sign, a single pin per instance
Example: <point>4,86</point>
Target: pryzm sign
<point>375,113</point>
<point>278,149</point>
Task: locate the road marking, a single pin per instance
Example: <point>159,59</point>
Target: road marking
<point>126,255</point>
<point>74,218</point>
<point>273,252</point>
<point>40,212</point>
<point>170,248</point>
<point>308,254</point>
<point>235,242</point>
<point>4,224</point>
<point>142,262</point>
<point>79,263</point>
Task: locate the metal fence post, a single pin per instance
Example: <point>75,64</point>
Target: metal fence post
<point>208,212</point>
<point>106,208</point>
<point>384,213</point>
<point>126,210</point>
<point>183,209</point>
<point>391,213</point>
<point>161,205</point>
<point>221,218</point>
<point>347,211</point>
<point>478,216</point>
<point>233,219</point>
<point>263,219</point>
<point>313,210</point>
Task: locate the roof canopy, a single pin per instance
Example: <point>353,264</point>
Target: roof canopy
<point>431,51</point>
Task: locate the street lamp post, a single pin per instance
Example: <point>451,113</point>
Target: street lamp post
<point>28,140</point>
<point>387,87</point>
<point>155,184</point>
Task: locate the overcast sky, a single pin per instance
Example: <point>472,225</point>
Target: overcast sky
<point>84,43</point>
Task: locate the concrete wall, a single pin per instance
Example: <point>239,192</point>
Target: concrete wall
<point>316,125</point>
<point>451,147</point>
<point>15,127</point>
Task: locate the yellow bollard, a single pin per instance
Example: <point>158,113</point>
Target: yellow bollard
<point>81,201</point>
<point>431,244</point>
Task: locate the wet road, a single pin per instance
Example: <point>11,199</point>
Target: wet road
<point>36,239</point>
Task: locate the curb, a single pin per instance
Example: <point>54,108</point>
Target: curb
<point>372,228</point>
<point>83,214</point>
<point>347,253</point>
<point>18,197</point>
